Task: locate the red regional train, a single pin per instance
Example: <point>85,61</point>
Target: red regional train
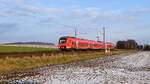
<point>66,43</point>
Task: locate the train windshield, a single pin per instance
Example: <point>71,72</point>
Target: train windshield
<point>62,40</point>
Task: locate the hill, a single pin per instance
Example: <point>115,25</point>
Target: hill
<point>31,43</point>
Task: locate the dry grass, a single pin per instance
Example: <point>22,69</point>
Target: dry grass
<point>10,65</point>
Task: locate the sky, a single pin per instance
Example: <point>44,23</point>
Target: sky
<point>48,20</point>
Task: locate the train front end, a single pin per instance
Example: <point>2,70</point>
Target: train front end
<point>64,43</point>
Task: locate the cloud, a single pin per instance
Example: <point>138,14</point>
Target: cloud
<point>24,7</point>
<point>35,9</point>
<point>96,14</point>
<point>99,14</point>
<point>12,13</point>
<point>46,20</point>
<point>7,27</point>
<point>140,10</point>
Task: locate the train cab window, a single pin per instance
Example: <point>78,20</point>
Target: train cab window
<point>62,40</point>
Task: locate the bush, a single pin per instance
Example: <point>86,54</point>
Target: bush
<point>146,47</point>
<point>129,44</point>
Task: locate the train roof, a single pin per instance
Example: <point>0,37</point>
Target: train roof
<point>67,37</point>
<point>75,38</point>
<point>84,39</point>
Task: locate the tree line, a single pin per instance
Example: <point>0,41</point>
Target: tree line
<point>131,44</point>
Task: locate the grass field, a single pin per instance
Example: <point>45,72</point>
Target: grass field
<point>23,49</point>
<point>10,65</point>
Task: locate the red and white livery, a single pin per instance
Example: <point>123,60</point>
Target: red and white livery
<point>77,43</point>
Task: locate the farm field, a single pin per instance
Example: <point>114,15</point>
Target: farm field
<point>13,49</point>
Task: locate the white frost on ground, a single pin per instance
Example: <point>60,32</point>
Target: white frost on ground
<point>131,69</point>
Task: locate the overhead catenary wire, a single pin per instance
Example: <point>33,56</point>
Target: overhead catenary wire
<point>76,31</point>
